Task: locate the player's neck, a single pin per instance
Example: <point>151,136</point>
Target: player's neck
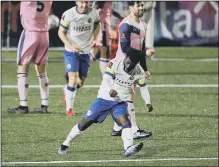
<point>135,18</point>
<point>79,11</point>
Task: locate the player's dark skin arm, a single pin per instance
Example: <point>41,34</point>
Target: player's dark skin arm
<point>126,48</point>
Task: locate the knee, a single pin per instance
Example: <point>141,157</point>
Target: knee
<point>72,79</point>
<point>22,68</point>
<point>66,77</point>
<point>84,124</point>
<point>124,121</point>
<point>127,125</point>
<point>80,83</point>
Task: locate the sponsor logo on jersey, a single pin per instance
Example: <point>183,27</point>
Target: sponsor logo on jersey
<point>123,83</point>
<point>82,28</point>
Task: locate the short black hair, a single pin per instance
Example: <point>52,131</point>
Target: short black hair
<point>132,3</point>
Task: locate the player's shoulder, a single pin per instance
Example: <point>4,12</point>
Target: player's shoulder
<point>92,11</point>
<point>144,23</point>
<point>70,11</point>
<point>126,20</point>
<point>116,61</point>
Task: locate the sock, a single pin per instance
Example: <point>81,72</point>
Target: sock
<point>116,127</point>
<point>131,110</point>
<point>103,64</point>
<point>72,135</point>
<point>127,136</point>
<point>23,85</point>
<point>69,97</point>
<point>73,99</point>
<point>44,89</point>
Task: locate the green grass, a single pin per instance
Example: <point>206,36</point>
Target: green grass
<point>184,121</point>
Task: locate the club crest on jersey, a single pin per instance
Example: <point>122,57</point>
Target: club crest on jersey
<point>68,66</point>
<point>89,20</point>
<point>123,35</point>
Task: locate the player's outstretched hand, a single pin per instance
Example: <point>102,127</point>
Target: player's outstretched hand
<point>147,75</point>
<point>149,107</point>
<point>150,52</point>
<point>113,93</point>
<point>75,48</point>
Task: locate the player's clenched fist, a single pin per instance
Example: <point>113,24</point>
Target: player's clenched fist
<point>75,48</point>
<point>113,93</point>
<point>150,52</point>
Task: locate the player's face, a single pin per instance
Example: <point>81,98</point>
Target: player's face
<point>128,64</point>
<point>138,9</point>
<point>82,6</point>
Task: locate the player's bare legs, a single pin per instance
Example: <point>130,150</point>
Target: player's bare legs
<point>44,89</point>
<point>136,132</point>
<point>126,135</point>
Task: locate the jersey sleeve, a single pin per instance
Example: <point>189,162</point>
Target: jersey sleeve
<point>141,81</point>
<point>65,20</point>
<point>144,42</point>
<point>110,69</point>
<point>124,34</point>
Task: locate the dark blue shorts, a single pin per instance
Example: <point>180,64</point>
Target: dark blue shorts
<point>100,108</point>
<point>75,62</point>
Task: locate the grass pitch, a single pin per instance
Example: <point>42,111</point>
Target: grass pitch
<point>184,121</point>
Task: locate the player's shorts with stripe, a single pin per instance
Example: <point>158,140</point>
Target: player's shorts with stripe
<point>33,47</point>
<point>76,62</point>
<point>100,108</point>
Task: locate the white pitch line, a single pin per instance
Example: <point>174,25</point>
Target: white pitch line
<point>150,86</point>
<point>108,161</point>
<point>185,59</point>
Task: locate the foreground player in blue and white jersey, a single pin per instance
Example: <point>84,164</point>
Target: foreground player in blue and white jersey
<point>115,88</point>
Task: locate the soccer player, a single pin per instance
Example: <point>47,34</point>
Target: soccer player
<point>115,88</point>
<point>33,47</point>
<point>104,37</point>
<point>76,30</point>
<point>132,34</point>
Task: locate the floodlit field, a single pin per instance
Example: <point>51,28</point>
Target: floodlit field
<point>184,121</point>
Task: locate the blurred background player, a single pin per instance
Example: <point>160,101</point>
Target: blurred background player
<point>76,31</point>
<point>53,20</point>
<point>33,47</point>
<point>132,34</point>
<point>116,84</point>
<point>149,18</point>
<point>104,37</point>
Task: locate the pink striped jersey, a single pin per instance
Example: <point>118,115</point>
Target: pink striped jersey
<point>131,34</point>
<point>34,15</point>
<point>105,11</point>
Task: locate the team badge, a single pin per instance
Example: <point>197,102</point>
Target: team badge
<point>89,113</point>
<point>123,35</point>
<point>89,20</point>
<point>131,78</point>
<point>68,66</point>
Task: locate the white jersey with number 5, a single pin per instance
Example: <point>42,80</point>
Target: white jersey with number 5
<point>122,80</point>
<point>80,27</point>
